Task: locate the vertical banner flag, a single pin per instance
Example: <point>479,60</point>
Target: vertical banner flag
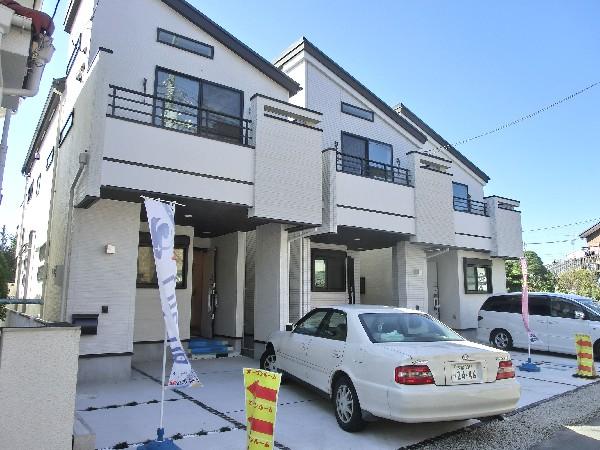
<point>161,219</point>
<point>525,304</point>
<point>261,388</point>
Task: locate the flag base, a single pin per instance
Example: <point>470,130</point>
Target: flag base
<point>529,366</point>
<point>160,443</point>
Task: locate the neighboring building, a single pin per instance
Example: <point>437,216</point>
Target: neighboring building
<point>297,187</point>
<point>25,49</point>
<point>586,258</point>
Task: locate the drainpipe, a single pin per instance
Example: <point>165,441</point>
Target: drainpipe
<point>41,57</point>
<point>83,160</point>
<point>4,148</point>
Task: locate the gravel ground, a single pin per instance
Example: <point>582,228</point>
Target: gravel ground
<point>524,427</point>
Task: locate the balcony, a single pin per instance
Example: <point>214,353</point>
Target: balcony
<point>467,205</point>
<point>372,169</point>
<point>161,112</point>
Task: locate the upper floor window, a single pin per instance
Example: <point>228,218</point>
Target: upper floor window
<point>30,192</point>
<point>460,193</point>
<point>66,128</point>
<point>73,57</point>
<point>366,157</point>
<point>358,112</point>
<point>38,185</point>
<point>198,106</point>
<point>50,158</point>
<point>185,43</point>
<point>477,276</point>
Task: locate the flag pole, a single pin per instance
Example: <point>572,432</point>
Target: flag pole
<point>162,384</point>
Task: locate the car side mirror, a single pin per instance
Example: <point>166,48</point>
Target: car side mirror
<point>579,315</point>
<point>289,327</point>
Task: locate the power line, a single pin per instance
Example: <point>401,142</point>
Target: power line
<point>563,225</point>
<point>520,119</point>
<point>55,8</point>
<point>551,242</point>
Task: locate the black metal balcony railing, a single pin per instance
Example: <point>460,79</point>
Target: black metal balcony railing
<point>372,169</point>
<point>188,118</point>
<point>470,206</point>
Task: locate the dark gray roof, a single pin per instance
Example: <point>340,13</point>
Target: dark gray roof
<point>52,101</point>
<point>314,51</point>
<point>220,34</point>
<point>403,110</point>
<point>591,230</point>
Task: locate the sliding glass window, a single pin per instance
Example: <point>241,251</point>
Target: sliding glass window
<point>362,156</point>
<point>198,106</point>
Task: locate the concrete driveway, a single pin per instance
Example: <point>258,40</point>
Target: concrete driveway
<point>212,416</point>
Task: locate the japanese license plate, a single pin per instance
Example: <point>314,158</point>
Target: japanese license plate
<point>464,373</point>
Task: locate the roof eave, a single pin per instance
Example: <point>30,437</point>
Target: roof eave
<point>402,109</point>
<point>330,64</point>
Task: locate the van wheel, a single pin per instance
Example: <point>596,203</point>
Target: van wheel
<point>501,339</point>
<point>346,406</point>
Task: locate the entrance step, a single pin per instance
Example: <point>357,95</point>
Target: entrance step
<point>201,348</point>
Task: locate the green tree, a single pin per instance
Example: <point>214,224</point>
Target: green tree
<point>579,281</point>
<point>539,278</point>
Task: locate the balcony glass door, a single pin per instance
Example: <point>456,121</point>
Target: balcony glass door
<point>222,111</point>
<point>354,151</point>
<point>380,160</point>
<point>178,104</point>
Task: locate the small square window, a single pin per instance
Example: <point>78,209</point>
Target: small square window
<point>185,43</point>
<point>477,276</point>
<point>355,111</point>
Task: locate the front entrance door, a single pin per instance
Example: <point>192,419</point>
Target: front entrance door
<point>204,295</point>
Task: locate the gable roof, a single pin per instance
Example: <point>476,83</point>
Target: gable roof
<point>52,101</point>
<point>315,52</point>
<point>591,230</point>
<point>403,110</point>
<point>186,10</point>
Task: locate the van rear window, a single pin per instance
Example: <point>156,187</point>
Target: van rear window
<point>502,303</point>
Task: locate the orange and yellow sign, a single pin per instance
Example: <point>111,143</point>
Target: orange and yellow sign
<point>261,387</point>
<point>585,356</point>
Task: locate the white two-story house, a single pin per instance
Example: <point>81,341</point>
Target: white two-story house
<point>295,187</point>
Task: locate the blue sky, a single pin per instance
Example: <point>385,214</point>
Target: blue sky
<point>464,67</point>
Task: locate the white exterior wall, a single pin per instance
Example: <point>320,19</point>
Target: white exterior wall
<point>506,229</point>
<point>99,279</point>
<point>449,274</point>
<point>471,303</point>
<point>149,324</point>
<point>409,276</point>
<point>230,276</point>
<point>38,376</point>
<point>473,231</point>
<point>376,268</point>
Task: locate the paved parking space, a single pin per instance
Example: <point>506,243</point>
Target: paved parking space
<point>212,416</point>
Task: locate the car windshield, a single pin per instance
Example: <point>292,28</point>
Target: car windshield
<point>405,327</point>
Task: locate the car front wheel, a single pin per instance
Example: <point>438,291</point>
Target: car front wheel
<point>501,339</point>
<point>268,360</point>
<point>347,408</point>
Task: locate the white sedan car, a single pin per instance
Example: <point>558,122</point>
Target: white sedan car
<point>399,364</point>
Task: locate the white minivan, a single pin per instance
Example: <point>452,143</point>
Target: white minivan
<point>554,318</point>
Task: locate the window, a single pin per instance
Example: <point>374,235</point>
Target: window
<point>50,158</point>
<point>539,305</point>
<point>38,185</point>
<point>334,327</point>
<point>309,325</point>
<point>185,43</point>
<point>477,276</point>
<point>73,57</point>
<point>403,327</point>
<point>146,270</point>
<point>195,105</point>
<point>64,132</point>
<point>564,309</point>
<point>357,112</point>
<point>460,193</point>
<point>30,192</point>
<point>503,303</point>
<point>328,271</point>
<point>362,156</point>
